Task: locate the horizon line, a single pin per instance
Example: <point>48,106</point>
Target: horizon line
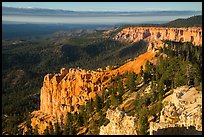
<point>95,10</point>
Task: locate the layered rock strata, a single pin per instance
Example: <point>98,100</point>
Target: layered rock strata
<point>154,35</point>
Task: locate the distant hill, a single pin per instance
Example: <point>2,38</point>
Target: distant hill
<point>194,21</point>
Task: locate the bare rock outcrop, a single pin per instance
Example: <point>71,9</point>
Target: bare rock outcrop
<point>120,124</point>
<point>66,91</point>
<point>183,109</point>
<point>154,35</point>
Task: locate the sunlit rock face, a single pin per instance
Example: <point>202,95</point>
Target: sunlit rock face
<point>183,111</point>
<point>62,92</point>
<point>154,35</point>
<point>66,91</point>
<point>120,124</point>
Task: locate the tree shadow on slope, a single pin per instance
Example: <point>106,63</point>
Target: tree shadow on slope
<point>178,131</point>
<point>136,48</point>
<point>70,53</point>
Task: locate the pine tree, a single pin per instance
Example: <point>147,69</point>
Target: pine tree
<point>80,120</point>
<point>101,121</point>
<point>141,71</point>
<point>66,126</point>
<point>143,121</point>
<point>56,129</point>
<point>89,107</point>
<point>29,132</point>
<point>97,103</point>
<point>46,131</point>
<point>51,129</point>
<point>148,71</point>
<point>81,109</point>
<point>114,101</point>
<point>131,81</point>
<point>36,130</point>
<point>107,104</point>
<point>120,88</point>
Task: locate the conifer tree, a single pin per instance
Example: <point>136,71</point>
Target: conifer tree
<point>120,88</point>
<point>131,81</point>
<point>46,131</point>
<point>36,130</point>
<point>97,103</point>
<point>114,101</point>
<point>51,129</point>
<point>107,104</point>
<point>143,121</point>
<point>57,129</point>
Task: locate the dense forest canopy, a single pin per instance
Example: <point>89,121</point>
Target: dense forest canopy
<point>195,21</point>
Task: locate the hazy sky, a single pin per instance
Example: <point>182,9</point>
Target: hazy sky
<point>109,6</point>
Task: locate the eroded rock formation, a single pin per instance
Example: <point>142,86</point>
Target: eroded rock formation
<point>120,124</point>
<point>154,35</point>
<point>66,91</point>
<point>183,109</point>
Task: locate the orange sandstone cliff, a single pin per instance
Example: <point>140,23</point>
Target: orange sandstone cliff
<point>154,35</point>
<point>66,91</point>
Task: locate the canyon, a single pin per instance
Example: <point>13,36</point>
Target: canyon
<point>66,91</point>
<point>155,35</point>
<point>133,34</point>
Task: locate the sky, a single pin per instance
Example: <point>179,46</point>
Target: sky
<point>109,6</point>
